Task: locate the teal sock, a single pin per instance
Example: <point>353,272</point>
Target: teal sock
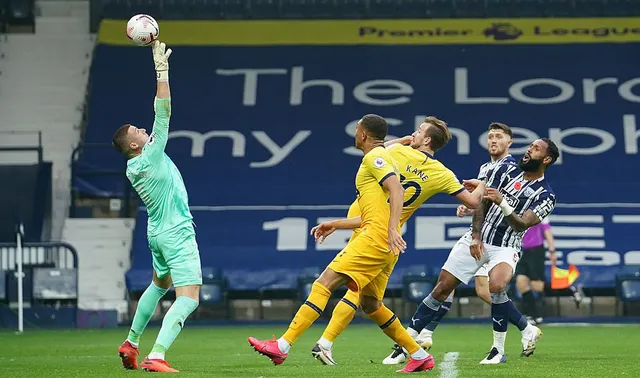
<point>173,322</point>
<point>146,307</point>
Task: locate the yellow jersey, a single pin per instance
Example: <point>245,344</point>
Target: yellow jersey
<point>373,201</point>
<point>421,176</point>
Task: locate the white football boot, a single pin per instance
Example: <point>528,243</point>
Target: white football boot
<point>494,357</point>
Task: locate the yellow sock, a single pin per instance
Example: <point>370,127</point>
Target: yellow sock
<point>342,315</point>
<point>391,326</point>
<point>310,310</point>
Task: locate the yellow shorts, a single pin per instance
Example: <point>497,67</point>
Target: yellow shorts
<point>368,267</point>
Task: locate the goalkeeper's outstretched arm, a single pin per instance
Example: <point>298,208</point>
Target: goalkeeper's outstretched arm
<point>162,104</point>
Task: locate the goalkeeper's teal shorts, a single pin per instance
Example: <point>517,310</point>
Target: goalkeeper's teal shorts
<point>175,252</point>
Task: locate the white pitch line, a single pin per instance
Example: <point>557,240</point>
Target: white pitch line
<point>448,365</point>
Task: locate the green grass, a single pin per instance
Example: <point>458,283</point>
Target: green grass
<point>590,351</point>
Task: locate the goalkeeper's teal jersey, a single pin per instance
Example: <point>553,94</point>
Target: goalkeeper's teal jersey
<point>157,179</point>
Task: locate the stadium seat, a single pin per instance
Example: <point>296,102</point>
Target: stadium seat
<point>213,295</point>
<point>398,8</point>
<point>439,9</point>
<point>234,9</point>
<point>622,8</point>
<point>305,281</point>
<point>470,9</point>
<point>590,8</point>
<point>417,283</point>
<point>352,8</point>
<point>559,8</point>
<point>116,9</point>
<point>3,286</point>
<point>628,291</point>
<point>55,284</point>
<point>267,9</point>
<point>151,7</point>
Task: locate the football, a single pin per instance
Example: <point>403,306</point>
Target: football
<point>142,29</point>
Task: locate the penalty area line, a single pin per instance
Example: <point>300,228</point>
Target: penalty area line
<point>448,365</point>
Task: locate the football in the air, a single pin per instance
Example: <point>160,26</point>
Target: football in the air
<point>142,29</point>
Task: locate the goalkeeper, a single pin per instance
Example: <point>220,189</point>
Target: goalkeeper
<point>170,230</point>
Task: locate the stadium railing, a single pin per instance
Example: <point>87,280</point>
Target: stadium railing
<point>49,284</point>
<point>9,141</point>
<point>359,9</point>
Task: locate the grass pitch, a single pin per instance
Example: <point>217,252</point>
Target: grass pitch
<point>199,351</point>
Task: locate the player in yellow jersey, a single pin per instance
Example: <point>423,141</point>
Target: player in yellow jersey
<point>365,264</point>
<point>422,176</point>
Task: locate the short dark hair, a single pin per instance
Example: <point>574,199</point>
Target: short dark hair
<point>120,140</point>
<point>439,133</point>
<point>552,150</point>
<point>375,125</point>
<point>500,126</point>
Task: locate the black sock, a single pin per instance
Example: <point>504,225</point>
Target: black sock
<point>529,304</point>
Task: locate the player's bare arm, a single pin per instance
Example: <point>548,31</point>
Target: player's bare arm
<point>472,199</point>
<point>396,198</point>
<point>324,229</point>
<point>518,223</point>
<point>477,246</point>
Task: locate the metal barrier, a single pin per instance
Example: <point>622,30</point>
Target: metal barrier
<point>42,254</point>
<point>21,141</point>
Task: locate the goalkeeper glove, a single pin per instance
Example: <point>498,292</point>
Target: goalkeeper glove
<point>161,60</point>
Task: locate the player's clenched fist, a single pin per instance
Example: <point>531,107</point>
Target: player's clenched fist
<point>321,231</point>
<point>462,211</point>
<point>397,245</point>
<point>477,249</point>
<point>493,195</point>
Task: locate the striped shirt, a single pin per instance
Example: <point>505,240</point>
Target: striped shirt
<point>484,168</point>
<point>522,195</point>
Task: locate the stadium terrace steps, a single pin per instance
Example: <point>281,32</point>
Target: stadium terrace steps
<point>103,247</point>
<point>43,87</point>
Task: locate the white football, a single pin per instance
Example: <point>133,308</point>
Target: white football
<point>142,29</point>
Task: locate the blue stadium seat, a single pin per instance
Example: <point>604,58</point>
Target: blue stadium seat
<point>559,8</point>
<point>440,9</point>
<point>205,9</point>
<point>294,9</point>
<point>352,8</point>
<point>470,8</point>
<point>150,7</point>
<point>515,8</point>
<point>234,9</point>
<point>590,8</point>
<point>622,8</point>
<point>628,290</point>
<point>116,9</point>
<point>173,9</point>
<point>267,9</point>
<point>137,280</point>
<point>398,8</point>
<point>417,283</point>
<point>305,281</point>
<point>499,8</point>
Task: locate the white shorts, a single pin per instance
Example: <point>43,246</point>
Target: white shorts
<point>463,266</point>
<point>482,272</point>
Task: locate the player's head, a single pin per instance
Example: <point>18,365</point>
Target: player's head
<point>433,134</point>
<point>129,140</point>
<point>499,139</point>
<point>371,128</point>
<point>539,156</point>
